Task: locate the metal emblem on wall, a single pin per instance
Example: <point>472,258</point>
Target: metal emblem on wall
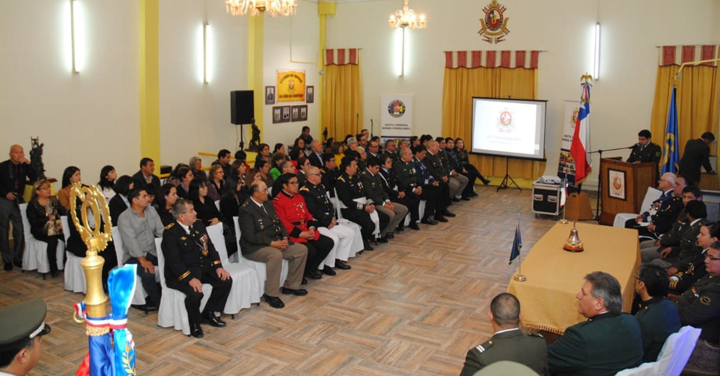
<point>494,24</point>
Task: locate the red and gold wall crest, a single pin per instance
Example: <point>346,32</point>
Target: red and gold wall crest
<point>494,24</point>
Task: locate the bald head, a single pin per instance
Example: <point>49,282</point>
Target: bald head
<point>17,154</point>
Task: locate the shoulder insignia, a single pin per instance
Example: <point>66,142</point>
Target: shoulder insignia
<point>245,203</point>
<point>276,198</point>
<point>342,179</point>
<point>304,189</point>
<point>535,335</point>
<point>705,300</point>
<point>170,226</point>
<point>484,347</point>
<point>657,154</point>
<point>480,348</point>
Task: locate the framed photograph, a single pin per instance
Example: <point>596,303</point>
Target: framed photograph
<point>616,184</point>
<point>299,113</point>
<point>285,114</point>
<point>277,114</point>
<point>310,94</point>
<point>303,113</point>
<point>269,94</point>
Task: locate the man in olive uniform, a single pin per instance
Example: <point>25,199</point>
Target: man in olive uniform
<point>695,154</point>
<point>610,341</point>
<point>408,182</point>
<point>22,327</point>
<point>688,250</point>
<point>658,316</point>
<point>437,170</point>
<point>645,150</point>
<point>391,187</point>
<point>427,181</point>
<point>264,239</point>
<point>509,342</point>
<point>700,307</point>
<point>462,180</point>
<point>374,190</point>
<point>357,207</point>
<point>190,261</point>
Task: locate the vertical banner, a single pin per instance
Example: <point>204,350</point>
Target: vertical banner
<point>566,165</point>
<point>291,86</point>
<point>396,116</point>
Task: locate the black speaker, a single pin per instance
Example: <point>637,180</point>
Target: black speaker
<point>242,108</point>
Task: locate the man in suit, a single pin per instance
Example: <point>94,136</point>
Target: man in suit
<point>15,173</point>
<point>408,182</point>
<point>316,155</point>
<point>374,189</point>
<point>658,316</point>
<point>191,261</point>
<point>697,153</point>
<point>264,239</point>
<point>610,341</point>
<point>508,342</point>
<point>145,178</point>
<point>645,150</point>
<point>373,149</point>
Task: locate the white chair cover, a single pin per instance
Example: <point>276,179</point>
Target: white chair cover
<point>672,358</point>
<point>172,312</point>
<point>245,287</point>
<point>259,267</point>
<point>421,212</point>
<point>74,274</point>
<point>35,255</point>
<point>651,195</point>
<point>374,215</point>
<point>140,294</point>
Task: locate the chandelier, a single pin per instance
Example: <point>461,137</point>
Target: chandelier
<point>257,7</point>
<point>407,18</point>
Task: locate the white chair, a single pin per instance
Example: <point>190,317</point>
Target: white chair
<point>35,255</point>
<point>672,358</point>
<point>374,215</point>
<point>74,274</point>
<point>260,268</point>
<point>245,287</point>
<point>421,212</point>
<point>172,312</point>
<point>651,195</point>
<point>140,293</point>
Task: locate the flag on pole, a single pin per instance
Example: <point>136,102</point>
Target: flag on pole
<point>671,154</point>
<point>517,243</point>
<point>581,137</point>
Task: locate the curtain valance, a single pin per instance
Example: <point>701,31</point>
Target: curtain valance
<point>676,55</point>
<point>342,56</point>
<point>492,59</point>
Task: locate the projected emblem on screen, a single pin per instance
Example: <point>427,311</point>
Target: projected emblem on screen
<point>396,108</point>
<point>505,120</point>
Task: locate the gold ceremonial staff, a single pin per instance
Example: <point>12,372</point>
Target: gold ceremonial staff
<point>96,241</point>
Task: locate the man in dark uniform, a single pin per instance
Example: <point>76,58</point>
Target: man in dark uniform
<point>645,150</point>
<point>391,150</point>
<point>15,173</point>
<point>697,153</point>
<point>264,239</point>
<point>462,181</point>
<point>610,341</point>
<point>434,164</point>
<point>330,173</point>
<point>700,307</point>
<point>427,181</point>
<point>374,190</point>
<point>392,189</point>
<point>663,211</point>
<point>357,208</point>
<point>687,251</point>
<point>658,316</point>
<point>509,342</point>
<point>408,182</point>
<point>22,327</point>
<point>191,261</point>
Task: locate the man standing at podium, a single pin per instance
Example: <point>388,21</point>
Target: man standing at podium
<point>645,150</point>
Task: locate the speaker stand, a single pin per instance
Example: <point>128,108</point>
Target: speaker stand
<point>507,181</point>
<point>242,138</point>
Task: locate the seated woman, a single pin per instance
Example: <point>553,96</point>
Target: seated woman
<point>329,145</point>
<point>119,202</point>
<point>164,201</point>
<point>184,175</point>
<point>70,175</point>
<point>230,202</point>
<point>196,167</point>
<point>107,182</point>
<point>276,160</point>
<point>216,182</point>
<point>465,160</point>
<point>263,154</point>
<point>43,213</point>
<point>455,163</point>
<point>206,210</point>
<point>286,168</point>
<point>279,148</point>
<point>263,169</point>
<point>238,169</point>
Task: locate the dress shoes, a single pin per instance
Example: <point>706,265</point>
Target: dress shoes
<point>304,281</point>
<point>196,331</point>
<point>381,240</point>
<point>429,221</point>
<point>213,320</point>
<point>8,266</point>
<point>274,302</point>
<point>484,181</point>
<point>400,229</point>
<point>329,271</point>
<point>367,247</point>
<point>448,213</point>
<point>389,235</point>
<point>340,264</point>
<point>455,199</point>
<point>313,275</point>
<point>18,264</point>
<point>287,291</point>
<point>465,198</point>
<point>440,218</point>
<point>414,225</point>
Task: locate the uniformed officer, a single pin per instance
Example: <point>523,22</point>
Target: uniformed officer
<point>329,173</point>
<point>22,327</point>
<point>191,261</point>
<point>657,316</point>
<point>688,251</point>
<point>347,236</point>
<point>645,150</point>
<point>292,211</point>
<point>390,184</point>
<point>509,342</point>
<point>408,182</point>
<point>264,239</point>
<point>391,150</point>
<point>663,211</point>
<point>374,190</point>
<point>461,180</point>
<point>357,208</point>
<point>427,181</point>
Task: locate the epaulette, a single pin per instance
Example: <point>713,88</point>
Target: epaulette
<point>342,179</point>
<point>246,203</point>
<point>535,335</point>
<point>304,189</point>
<point>170,226</point>
<point>482,348</point>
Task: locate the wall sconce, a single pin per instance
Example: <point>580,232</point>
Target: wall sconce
<point>74,16</point>
<point>596,60</point>
<point>205,48</point>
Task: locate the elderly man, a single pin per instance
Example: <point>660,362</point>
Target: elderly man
<point>15,173</point>
<point>316,155</point>
<point>663,211</point>
<point>391,150</point>
<point>264,239</point>
<point>428,182</point>
<point>373,149</point>
<point>138,229</point>
<point>658,316</point>
<point>22,327</point>
<point>509,342</point>
<point>374,189</point>
<point>190,262</point>
<point>608,342</point>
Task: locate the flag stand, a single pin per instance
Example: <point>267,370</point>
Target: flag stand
<point>519,276</point>
<point>564,189</point>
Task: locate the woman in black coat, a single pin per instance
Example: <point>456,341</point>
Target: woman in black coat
<point>43,211</point>
<point>119,202</point>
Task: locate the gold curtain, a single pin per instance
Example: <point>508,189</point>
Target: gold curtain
<point>697,103</point>
<point>461,84</point>
<point>342,100</point>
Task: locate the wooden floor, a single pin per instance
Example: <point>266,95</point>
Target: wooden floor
<point>411,307</point>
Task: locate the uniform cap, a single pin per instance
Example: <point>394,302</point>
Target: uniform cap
<point>22,321</point>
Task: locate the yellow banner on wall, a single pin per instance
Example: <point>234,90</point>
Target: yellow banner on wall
<point>291,86</point>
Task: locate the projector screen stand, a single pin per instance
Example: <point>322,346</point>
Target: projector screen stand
<point>507,181</point>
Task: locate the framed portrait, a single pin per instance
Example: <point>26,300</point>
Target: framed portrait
<point>277,114</point>
<point>299,113</point>
<point>303,113</point>
<point>310,94</point>
<point>616,184</point>
<point>285,114</point>
<point>269,94</point>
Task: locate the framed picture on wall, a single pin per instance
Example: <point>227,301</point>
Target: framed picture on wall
<point>299,113</point>
<point>269,94</point>
<point>617,187</point>
<point>285,114</point>
<point>277,114</point>
<point>310,94</point>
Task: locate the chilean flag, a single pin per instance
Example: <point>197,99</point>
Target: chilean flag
<point>580,141</point>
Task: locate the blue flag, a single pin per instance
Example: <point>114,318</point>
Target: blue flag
<point>671,154</point>
<point>517,243</point>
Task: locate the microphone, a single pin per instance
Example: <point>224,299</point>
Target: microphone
<point>630,147</point>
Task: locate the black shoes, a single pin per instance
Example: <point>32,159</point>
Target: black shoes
<point>8,267</point>
<point>400,229</point>
<point>414,225</point>
<point>18,264</point>
<point>273,301</point>
<point>455,199</point>
<point>340,264</point>
<point>288,291</point>
<point>440,218</point>
<point>381,240</point>
<point>429,221</point>
<point>389,235</point>
<point>54,273</point>
<point>484,180</point>
<point>328,270</point>
<point>310,274</point>
<point>196,331</point>
<point>465,198</point>
<point>367,246</point>
<point>448,213</point>
<point>304,281</point>
<point>213,320</point>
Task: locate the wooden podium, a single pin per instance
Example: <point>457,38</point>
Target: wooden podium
<point>623,185</point>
